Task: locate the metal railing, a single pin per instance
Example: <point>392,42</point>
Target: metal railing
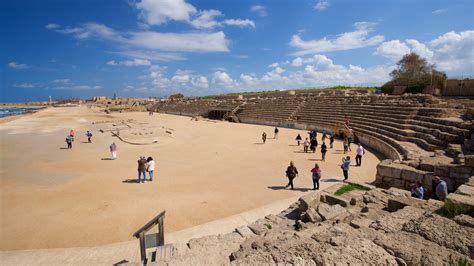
<point>151,240</point>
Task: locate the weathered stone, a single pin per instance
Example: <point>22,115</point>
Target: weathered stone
<point>329,212</point>
<point>465,190</point>
<point>464,220</point>
<point>462,201</point>
<point>244,231</point>
<point>413,175</point>
<point>273,218</point>
<point>361,222</point>
<point>353,201</point>
<point>258,228</point>
<point>394,182</point>
<point>398,192</point>
<point>313,216</point>
<point>394,221</point>
<point>310,200</point>
<point>333,199</point>
<point>441,170</point>
<point>364,209</point>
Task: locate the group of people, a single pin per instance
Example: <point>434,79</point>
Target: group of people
<point>439,189</point>
<point>292,172</point>
<point>70,138</point>
<point>145,165</point>
<point>275,136</point>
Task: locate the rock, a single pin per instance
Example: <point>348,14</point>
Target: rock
<point>469,160</point>
<point>397,203</point>
<point>393,222</point>
<point>333,199</point>
<point>258,228</point>
<point>244,231</point>
<point>328,212</point>
<point>364,209</point>
<point>353,201</point>
<point>465,190</point>
<point>313,216</point>
<point>273,218</point>
<point>361,222</point>
<point>464,220</point>
<point>461,201</point>
<point>398,192</point>
<point>310,200</point>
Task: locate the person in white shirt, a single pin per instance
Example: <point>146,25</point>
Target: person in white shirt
<point>150,167</point>
<point>360,152</point>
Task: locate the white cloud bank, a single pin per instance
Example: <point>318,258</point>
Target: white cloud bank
<point>322,5</point>
<point>345,41</point>
<point>259,10</point>
<point>17,66</point>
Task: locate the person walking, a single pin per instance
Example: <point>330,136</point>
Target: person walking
<point>331,140</point>
<point>345,145</point>
<point>306,145</point>
<point>276,133</point>
<point>142,169</point>
<point>359,153</point>
<point>71,133</point>
<point>264,137</point>
<point>324,134</point>
<point>441,189</point>
<point>298,139</point>
<point>113,150</point>
<point>316,176</point>
<point>89,136</point>
<point>291,173</point>
<point>150,167</point>
<point>324,149</point>
<point>346,163</point>
<point>349,141</point>
<point>314,145</point>
<point>69,141</point>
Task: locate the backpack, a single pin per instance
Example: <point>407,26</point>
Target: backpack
<point>290,172</point>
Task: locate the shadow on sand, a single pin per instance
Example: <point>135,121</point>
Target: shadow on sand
<point>62,148</point>
<point>130,181</point>
<point>259,143</point>
<point>284,188</point>
<point>107,159</point>
<point>331,180</point>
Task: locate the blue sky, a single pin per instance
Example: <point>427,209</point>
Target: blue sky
<point>158,47</point>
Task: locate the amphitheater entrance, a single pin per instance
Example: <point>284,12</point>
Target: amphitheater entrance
<point>218,113</point>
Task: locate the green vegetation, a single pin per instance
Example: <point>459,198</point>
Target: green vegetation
<point>269,226</point>
<point>347,188</point>
<point>458,262</point>
<point>450,210</point>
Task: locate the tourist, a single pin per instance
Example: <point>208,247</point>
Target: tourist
<point>276,133</point>
<point>349,141</point>
<point>345,145</point>
<point>324,149</point>
<point>69,141</point>
<point>264,137</point>
<point>346,163</point>
<point>306,145</point>
<point>150,167</point>
<point>331,140</point>
<point>316,176</point>
<point>142,169</point>
<point>113,150</point>
<point>418,190</point>
<point>314,145</point>
<point>298,139</point>
<point>291,173</point>
<point>324,134</point>
<point>441,189</point>
<point>359,153</point>
<point>89,136</point>
<point>71,133</point>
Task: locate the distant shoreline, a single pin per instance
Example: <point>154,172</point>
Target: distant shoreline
<point>7,119</point>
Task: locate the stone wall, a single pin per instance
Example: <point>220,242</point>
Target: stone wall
<point>402,175</point>
<point>456,87</point>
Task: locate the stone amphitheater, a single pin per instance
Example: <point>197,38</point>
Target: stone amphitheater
<point>419,136</point>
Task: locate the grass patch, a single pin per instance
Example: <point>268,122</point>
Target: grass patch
<point>347,188</point>
<point>449,210</point>
<point>458,262</point>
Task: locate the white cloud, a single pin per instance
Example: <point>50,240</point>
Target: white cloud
<point>150,40</point>
<point>151,55</point>
<point>206,19</point>
<point>24,85</point>
<point>156,12</point>
<point>76,88</point>
<point>260,10</point>
<point>322,5</point>
<point>438,11</point>
<point>222,78</point>
<point>200,82</point>
<point>273,65</point>
<point>394,49</point>
<point>62,81</point>
<point>136,62</point>
<point>239,23</point>
<point>420,49</point>
<point>52,26</point>
<point>297,62</point>
<point>182,78</point>
<point>16,65</point>
<point>345,41</point>
<point>248,79</point>
<point>112,63</point>
<point>454,52</point>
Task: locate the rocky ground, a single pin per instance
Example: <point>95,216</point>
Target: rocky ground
<point>375,226</point>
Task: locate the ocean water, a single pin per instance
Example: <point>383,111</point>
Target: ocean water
<point>8,111</point>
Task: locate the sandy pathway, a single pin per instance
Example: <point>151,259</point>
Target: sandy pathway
<point>53,197</point>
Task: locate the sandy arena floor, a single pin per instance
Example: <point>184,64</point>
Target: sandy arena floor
<point>206,170</point>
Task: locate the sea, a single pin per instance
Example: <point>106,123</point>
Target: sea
<point>9,111</point>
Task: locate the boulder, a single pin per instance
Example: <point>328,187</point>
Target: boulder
<point>310,200</point>
<point>465,190</point>
<point>333,199</point>
<point>244,231</point>
<point>466,203</point>
<point>311,215</point>
<point>329,212</point>
<point>361,222</point>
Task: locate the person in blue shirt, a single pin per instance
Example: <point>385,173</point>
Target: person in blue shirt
<point>418,191</point>
<point>346,163</point>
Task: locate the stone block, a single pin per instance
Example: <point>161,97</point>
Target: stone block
<point>413,175</point>
<point>441,170</point>
<point>426,166</point>
<point>464,220</point>
<point>310,200</point>
<point>469,160</point>
<point>394,182</point>
<point>398,192</point>
<point>464,202</point>
<point>465,190</point>
<point>328,212</point>
<point>311,215</point>
<point>333,199</point>
<point>244,231</point>
<point>361,222</point>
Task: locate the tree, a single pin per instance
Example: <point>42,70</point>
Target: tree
<point>177,96</point>
<point>415,73</point>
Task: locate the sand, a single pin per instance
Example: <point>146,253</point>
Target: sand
<point>52,197</point>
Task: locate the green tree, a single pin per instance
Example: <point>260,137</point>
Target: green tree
<point>177,96</point>
<point>414,72</point>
